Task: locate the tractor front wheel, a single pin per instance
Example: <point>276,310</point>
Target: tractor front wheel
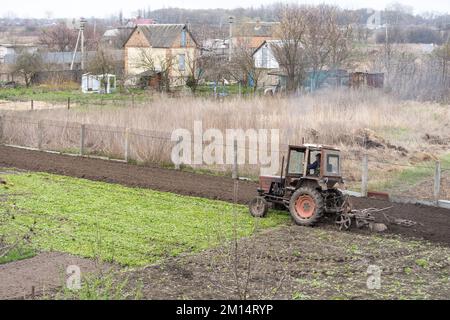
<point>258,207</point>
<point>306,206</point>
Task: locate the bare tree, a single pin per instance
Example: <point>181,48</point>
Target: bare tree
<point>216,67</point>
<point>243,66</point>
<point>102,63</point>
<point>312,38</point>
<point>416,75</point>
<point>58,37</point>
<point>28,65</point>
<point>327,41</point>
<point>159,66</point>
<point>443,54</point>
<point>93,33</point>
<point>289,51</point>
<point>194,71</point>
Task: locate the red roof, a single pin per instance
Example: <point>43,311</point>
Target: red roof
<point>142,21</point>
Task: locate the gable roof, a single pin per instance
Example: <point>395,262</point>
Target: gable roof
<point>270,44</point>
<point>161,35</point>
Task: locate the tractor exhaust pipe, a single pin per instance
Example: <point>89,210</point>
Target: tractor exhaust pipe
<point>282,168</point>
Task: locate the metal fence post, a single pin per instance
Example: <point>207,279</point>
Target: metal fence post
<point>82,138</point>
<point>40,135</point>
<point>437,181</point>
<point>365,176</point>
<point>235,160</point>
<point>127,144</point>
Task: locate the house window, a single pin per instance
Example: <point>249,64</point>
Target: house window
<point>181,62</point>
<point>183,38</point>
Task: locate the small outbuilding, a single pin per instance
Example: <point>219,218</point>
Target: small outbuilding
<point>366,79</point>
<point>103,83</point>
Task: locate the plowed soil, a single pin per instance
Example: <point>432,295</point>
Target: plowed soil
<point>45,272</point>
<point>292,262</point>
<point>432,223</point>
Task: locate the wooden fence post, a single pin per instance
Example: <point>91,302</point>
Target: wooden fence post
<point>127,144</point>
<point>437,181</point>
<point>365,176</point>
<point>235,161</point>
<point>68,103</point>
<point>132,100</point>
<point>82,138</point>
<point>40,135</point>
<point>32,104</point>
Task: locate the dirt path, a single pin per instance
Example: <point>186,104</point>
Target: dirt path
<point>433,223</point>
<point>45,271</point>
<point>26,105</point>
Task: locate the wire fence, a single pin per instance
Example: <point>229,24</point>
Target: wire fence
<point>427,181</point>
<point>22,104</point>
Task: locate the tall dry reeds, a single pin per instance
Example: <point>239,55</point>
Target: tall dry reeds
<point>328,117</point>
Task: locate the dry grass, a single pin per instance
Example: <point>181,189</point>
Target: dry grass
<point>332,114</point>
<point>330,117</point>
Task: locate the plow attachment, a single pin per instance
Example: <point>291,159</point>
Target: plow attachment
<point>364,218</point>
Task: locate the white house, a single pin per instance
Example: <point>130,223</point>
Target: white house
<point>264,58</point>
<point>264,55</point>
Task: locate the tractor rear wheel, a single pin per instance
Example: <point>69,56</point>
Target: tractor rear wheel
<point>258,207</point>
<point>306,206</point>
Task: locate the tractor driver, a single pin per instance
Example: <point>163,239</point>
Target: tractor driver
<point>315,165</point>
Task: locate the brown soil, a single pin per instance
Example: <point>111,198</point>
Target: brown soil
<point>433,223</point>
<point>292,262</point>
<point>180,182</point>
<point>45,272</point>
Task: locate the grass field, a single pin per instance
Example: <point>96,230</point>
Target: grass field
<point>50,94</point>
<point>405,178</point>
<point>129,226</point>
<point>18,253</point>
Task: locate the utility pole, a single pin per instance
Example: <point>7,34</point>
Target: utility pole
<point>82,23</point>
<point>230,41</point>
<point>80,37</point>
<point>387,49</point>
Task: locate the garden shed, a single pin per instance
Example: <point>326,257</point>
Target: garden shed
<point>103,83</point>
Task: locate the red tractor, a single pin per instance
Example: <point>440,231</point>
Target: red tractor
<point>308,189</point>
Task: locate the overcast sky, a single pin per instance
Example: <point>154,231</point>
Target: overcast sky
<point>103,8</point>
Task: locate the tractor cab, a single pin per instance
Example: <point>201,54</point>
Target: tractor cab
<point>313,162</point>
<point>308,162</point>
